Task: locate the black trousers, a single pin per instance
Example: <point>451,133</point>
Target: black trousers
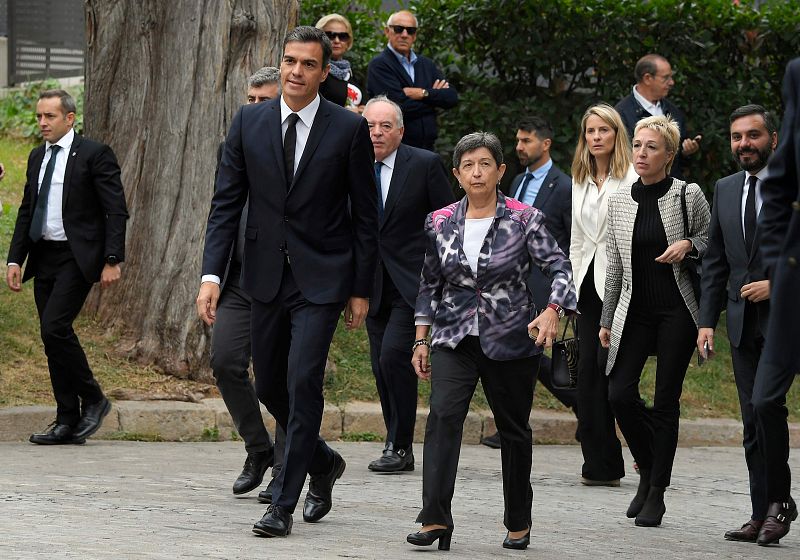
<point>602,451</point>
<point>652,433</point>
<point>230,362</point>
<point>772,383</point>
<point>60,290</point>
<point>291,338</point>
<point>745,359</point>
<point>509,389</point>
<point>391,335</point>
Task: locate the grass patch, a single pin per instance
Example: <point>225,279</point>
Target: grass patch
<point>133,436</point>
<point>361,436</point>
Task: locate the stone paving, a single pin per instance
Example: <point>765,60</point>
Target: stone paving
<point>172,500</point>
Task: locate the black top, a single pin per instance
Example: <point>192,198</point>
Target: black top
<point>653,282</point>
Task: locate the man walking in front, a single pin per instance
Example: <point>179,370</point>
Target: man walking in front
<point>411,184</point>
<point>732,273</point>
<point>71,229</point>
<point>309,252</point>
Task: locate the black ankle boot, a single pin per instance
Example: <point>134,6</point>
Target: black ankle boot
<point>641,494</point>
<point>653,510</point>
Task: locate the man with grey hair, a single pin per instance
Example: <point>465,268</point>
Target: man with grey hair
<point>230,341</point>
<point>411,183</point>
<point>410,80</point>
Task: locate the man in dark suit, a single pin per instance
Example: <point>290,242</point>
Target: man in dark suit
<point>732,273</point>
<point>230,341</point>
<point>654,80</point>
<point>71,229</point>
<point>410,80</point>
<point>543,186</point>
<point>779,228</point>
<point>411,184</point>
<point>309,252</point>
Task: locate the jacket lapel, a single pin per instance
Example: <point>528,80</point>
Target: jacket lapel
<point>274,126</point>
<point>548,186</point>
<point>488,242</point>
<point>459,220</point>
<point>71,156</point>
<point>318,128</point>
<point>33,174</point>
<point>398,68</point>
<point>398,182</point>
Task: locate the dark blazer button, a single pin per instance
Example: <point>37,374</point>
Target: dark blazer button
<point>796,205</point>
<point>792,261</point>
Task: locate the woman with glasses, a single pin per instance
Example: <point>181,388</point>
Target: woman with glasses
<point>339,87</point>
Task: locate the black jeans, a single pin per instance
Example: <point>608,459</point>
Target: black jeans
<point>60,290</point>
<point>652,433</point>
<point>509,389</point>
<point>602,451</point>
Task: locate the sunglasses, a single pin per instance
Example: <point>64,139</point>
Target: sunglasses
<point>343,36</point>
<point>400,28</point>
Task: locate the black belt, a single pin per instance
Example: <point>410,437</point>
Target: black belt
<point>46,244</point>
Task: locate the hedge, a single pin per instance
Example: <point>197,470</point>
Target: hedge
<point>557,57</point>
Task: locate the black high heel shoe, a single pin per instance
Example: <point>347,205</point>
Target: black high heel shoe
<point>654,509</point>
<point>517,544</point>
<point>641,494</point>
<point>427,538</point>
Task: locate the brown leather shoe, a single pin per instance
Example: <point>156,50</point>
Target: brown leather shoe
<point>779,516</point>
<point>748,532</point>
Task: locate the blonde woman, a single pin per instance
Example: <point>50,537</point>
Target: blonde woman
<point>602,164</point>
<point>339,87</point>
<point>649,304</point>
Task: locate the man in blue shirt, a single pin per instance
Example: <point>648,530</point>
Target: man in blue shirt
<point>410,80</point>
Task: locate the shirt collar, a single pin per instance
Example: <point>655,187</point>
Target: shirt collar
<point>411,60</point>
<point>388,161</point>
<point>646,103</point>
<point>64,142</point>
<point>542,172</point>
<point>761,175</point>
<point>306,114</point>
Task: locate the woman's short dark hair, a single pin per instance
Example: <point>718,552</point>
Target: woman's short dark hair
<point>308,34</point>
<point>477,140</point>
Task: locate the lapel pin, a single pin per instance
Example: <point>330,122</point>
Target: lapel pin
<point>74,154</point>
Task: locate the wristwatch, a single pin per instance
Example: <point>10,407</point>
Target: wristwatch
<point>557,308</point>
<point>425,93</point>
<point>112,260</point>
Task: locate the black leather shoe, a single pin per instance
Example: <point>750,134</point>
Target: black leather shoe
<point>779,517</point>
<point>748,532</point>
<point>56,434</point>
<point>427,538</point>
<point>492,441</point>
<point>641,494</point>
<point>517,544</point>
<point>318,500</point>
<point>393,461</point>
<point>265,496</point>
<point>654,509</point>
<point>277,522</point>
<point>253,471</point>
<point>92,418</point>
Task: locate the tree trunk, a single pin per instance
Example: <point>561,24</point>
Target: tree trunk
<point>163,81</point>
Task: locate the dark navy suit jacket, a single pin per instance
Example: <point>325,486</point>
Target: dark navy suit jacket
<point>326,221</point>
<point>385,75</point>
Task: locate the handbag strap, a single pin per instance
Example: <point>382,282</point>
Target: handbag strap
<point>570,321</point>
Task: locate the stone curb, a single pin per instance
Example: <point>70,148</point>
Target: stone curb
<point>209,420</point>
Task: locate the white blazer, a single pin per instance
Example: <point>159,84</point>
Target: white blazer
<point>585,246</point>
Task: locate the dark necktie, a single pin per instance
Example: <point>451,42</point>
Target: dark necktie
<point>524,187</point>
<point>750,215</point>
<point>40,211</point>
<point>289,142</point>
<point>378,166</point>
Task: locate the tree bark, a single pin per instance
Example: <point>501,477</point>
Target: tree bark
<point>163,81</point>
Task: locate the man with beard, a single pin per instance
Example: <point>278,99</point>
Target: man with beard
<point>543,186</point>
<point>732,272</point>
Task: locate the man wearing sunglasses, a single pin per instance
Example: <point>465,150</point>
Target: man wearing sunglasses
<point>410,80</point>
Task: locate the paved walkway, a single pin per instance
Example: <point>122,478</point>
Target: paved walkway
<point>172,500</point>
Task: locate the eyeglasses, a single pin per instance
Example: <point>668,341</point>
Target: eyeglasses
<point>343,36</point>
<point>400,28</point>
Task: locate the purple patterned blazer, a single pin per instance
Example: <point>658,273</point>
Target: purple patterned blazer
<point>450,295</point>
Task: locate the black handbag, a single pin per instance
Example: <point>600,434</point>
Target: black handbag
<point>692,266</point>
<point>565,358</point>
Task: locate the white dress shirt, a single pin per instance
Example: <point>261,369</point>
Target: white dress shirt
<point>590,210</point>
<point>652,108</point>
<point>386,174</point>
<point>475,230</point>
<point>761,175</point>
<point>303,127</point>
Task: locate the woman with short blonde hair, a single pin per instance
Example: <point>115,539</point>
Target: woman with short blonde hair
<point>339,87</point>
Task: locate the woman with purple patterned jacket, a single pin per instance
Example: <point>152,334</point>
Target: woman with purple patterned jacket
<point>474,300</point>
